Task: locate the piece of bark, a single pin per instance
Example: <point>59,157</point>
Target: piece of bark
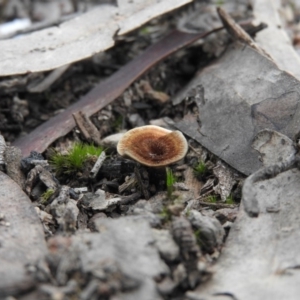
<point>213,205</point>
<point>261,258</point>
<point>142,178</point>
<point>243,93</point>
<point>133,197</point>
<point>22,242</point>
<point>39,87</point>
<point>98,164</point>
<point>87,128</point>
<point>153,94</point>
<point>108,90</point>
<point>64,210</point>
<point>274,39</point>
<point>41,174</point>
<point>250,200</point>
<point>274,147</point>
<point>13,157</point>
<point>190,252</point>
<point>237,31</point>
<point>2,150</point>
<point>192,182</point>
<point>79,38</point>
<point>97,201</point>
<point>211,232</point>
<point>226,180</point>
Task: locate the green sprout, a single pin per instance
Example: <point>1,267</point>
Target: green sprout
<point>144,30</point>
<point>197,234</point>
<point>211,199</point>
<point>201,169</point>
<point>117,123</point>
<point>46,195</point>
<point>220,2</point>
<point>165,214</point>
<point>188,212</point>
<point>229,199</point>
<point>74,160</point>
<point>170,181</point>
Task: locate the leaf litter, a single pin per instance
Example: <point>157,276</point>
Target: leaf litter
<point>120,233</point>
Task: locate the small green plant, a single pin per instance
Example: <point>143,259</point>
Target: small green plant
<point>46,195</point>
<point>144,30</point>
<point>165,214</point>
<point>220,2</point>
<point>229,199</point>
<point>74,160</point>
<point>170,181</point>
<point>201,169</point>
<point>197,234</point>
<point>211,199</point>
<point>117,123</point>
<point>188,212</point>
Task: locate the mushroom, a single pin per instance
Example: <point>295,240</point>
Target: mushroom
<point>153,146</point>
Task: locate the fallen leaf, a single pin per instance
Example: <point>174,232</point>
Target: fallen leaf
<point>78,38</point>
<point>239,95</point>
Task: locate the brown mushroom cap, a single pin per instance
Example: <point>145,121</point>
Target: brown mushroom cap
<point>153,146</point>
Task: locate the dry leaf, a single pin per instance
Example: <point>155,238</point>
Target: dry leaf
<point>78,38</point>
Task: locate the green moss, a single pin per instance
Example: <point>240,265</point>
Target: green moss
<point>46,196</point>
<point>165,214</point>
<point>230,200</point>
<point>211,199</point>
<point>73,161</point>
<point>197,234</point>
<point>200,170</point>
<point>219,2</point>
<point>188,212</point>
<point>117,123</point>
<point>144,30</point>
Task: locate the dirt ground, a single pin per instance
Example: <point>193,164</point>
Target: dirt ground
<point>125,231</point>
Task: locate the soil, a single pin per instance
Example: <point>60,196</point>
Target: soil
<point>21,112</point>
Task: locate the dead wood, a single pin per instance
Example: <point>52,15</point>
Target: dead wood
<point>142,178</point>
<point>189,249</point>
<point>237,31</point>
<point>87,128</point>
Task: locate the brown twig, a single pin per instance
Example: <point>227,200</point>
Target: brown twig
<point>87,128</point>
<point>237,32</point>
<point>217,205</point>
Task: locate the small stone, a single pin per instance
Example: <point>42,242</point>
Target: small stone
<point>112,140</point>
<point>166,286</point>
<point>148,211</point>
<point>210,229</point>
<point>97,201</point>
<point>226,214</point>
<point>136,120</point>
<point>167,247</point>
